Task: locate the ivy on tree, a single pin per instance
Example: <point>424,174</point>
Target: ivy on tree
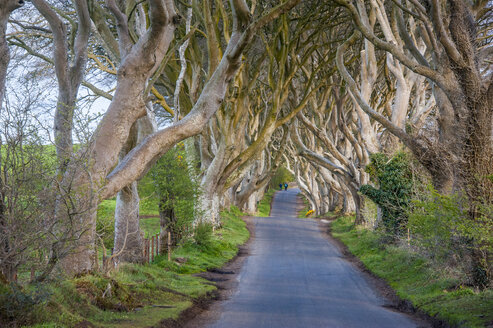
<point>393,196</point>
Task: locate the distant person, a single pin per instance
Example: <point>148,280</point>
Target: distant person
<point>285,186</point>
<point>280,186</point>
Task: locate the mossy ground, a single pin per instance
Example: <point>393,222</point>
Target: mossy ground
<point>414,278</point>
<point>140,295</point>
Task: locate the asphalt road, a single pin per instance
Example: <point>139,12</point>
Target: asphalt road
<point>295,277</point>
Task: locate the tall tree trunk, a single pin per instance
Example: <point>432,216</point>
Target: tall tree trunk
<point>69,73</point>
<point>127,222</point>
<point>63,126</point>
<point>7,7</point>
<point>128,238</point>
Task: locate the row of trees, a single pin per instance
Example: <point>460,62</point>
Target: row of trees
<point>322,87</point>
<point>420,80</point>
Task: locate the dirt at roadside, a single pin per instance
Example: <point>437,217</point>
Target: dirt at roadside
<point>206,309</point>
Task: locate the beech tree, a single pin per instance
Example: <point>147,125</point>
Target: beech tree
<point>139,62</point>
<point>291,60</point>
<point>246,87</point>
<point>69,74</point>
<point>460,158</point>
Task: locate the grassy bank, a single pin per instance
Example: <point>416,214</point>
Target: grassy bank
<point>135,295</point>
<point>263,209</point>
<point>306,208</point>
<point>427,287</point>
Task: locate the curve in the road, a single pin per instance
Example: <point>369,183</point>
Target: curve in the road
<point>295,277</point>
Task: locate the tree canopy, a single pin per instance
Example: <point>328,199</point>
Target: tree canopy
<point>328,90</point>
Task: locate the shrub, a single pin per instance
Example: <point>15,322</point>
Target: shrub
<point>433,222</point>
<point>177,192</point>
<point>441,226</point>
<point>16,304</point>
<point>203,234</point>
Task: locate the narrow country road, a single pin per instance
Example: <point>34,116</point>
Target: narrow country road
<point>294,277</point>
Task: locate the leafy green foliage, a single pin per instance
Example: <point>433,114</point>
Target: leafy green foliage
<point>176,191</point>
<point>395,188</point>
<point>433,223</point>
<point>167,186</point>
<point>282,175</point>
<point>429,287</point>
<point>202,234</point>
<point>441,226</point>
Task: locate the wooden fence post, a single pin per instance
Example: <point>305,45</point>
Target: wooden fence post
<point>146,252</point>
<point>169,246</point>
<point>152,248</point>
<point>158,239</point>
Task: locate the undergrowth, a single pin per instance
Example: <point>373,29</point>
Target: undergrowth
<point>436,291</point>
<point>135,295</point>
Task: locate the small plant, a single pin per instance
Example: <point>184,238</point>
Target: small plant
<point>309,213</point>
<point>203,234</point>
<point>17,304</point>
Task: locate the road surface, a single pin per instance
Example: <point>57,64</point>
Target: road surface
<point>294,277</point>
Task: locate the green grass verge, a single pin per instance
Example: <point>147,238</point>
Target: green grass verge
<point>307,207</point>
<point>413,278</point>
<point>140,295</point>
<point>263,209</point>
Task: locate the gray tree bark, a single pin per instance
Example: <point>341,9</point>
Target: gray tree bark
<point>69,74</point>
<point>6,269</point>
